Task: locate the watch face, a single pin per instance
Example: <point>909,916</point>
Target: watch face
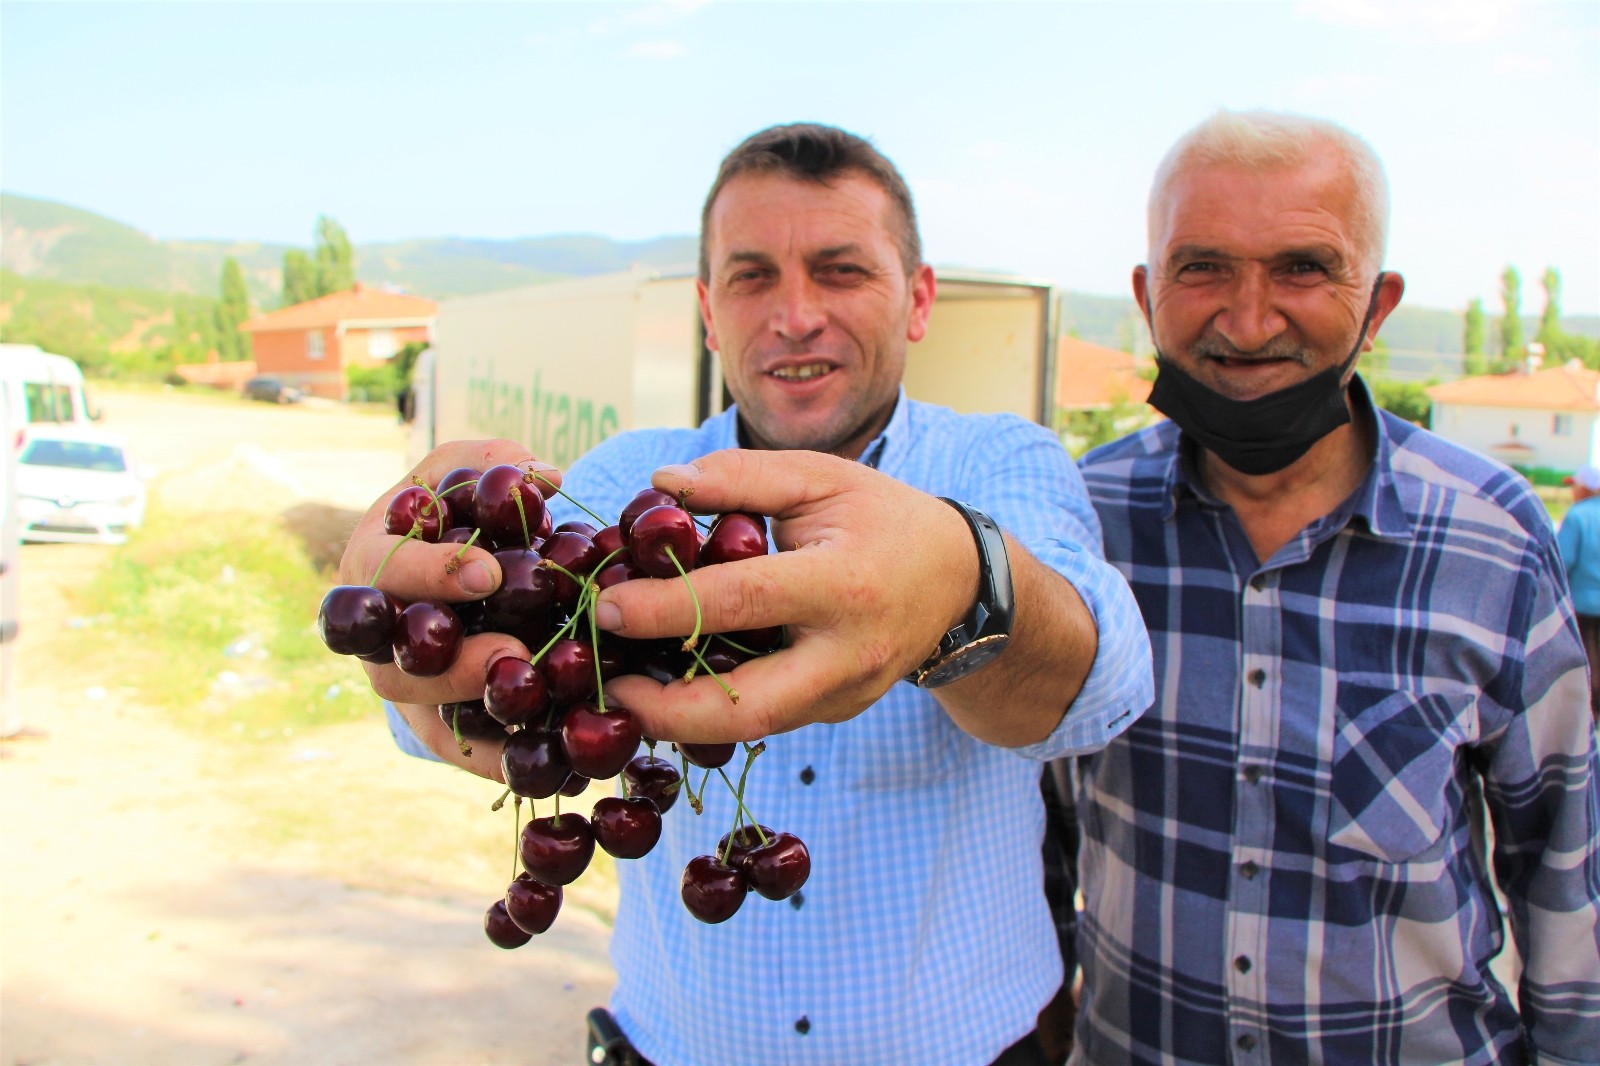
<point>965,660</point>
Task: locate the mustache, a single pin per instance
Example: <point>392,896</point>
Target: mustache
<point>1213,346</point>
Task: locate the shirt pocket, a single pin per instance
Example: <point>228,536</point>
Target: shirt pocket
<point>1394,781</point>
<point>901,742</point>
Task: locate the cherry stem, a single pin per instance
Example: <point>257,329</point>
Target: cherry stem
<point>470,541</point>
<point>693,638</point>
<point>435,501</point>
<point>516,832</point>
<point>590,595</point>
<point>732,693</point>
<point>738,797</point>
<point>412,532</point>
<point>459,485</point>
<point>455,731</point>
<point>569,499</point>
<point>734,644</point>
<point>501,802</point>
<point>522,516</point>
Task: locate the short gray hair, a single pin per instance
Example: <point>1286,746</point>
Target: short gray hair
<point>1257,140</point>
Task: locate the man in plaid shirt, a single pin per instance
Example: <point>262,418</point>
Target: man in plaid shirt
<point>1363,645</point>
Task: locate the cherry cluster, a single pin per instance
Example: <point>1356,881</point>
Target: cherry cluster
<point>550,710</point>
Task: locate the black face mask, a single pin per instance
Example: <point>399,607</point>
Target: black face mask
<point>1266,434</point>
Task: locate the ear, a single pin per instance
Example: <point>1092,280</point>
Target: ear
<point>1141,289</point>
<point>923,290</point>
<point>1390,290</point>
<point>705,315</point>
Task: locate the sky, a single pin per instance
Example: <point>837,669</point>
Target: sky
<point>1028,131</point>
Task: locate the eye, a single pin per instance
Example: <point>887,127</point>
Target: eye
<point>1195,269</point>
<point>1306,270</point>
<point>843,273</point>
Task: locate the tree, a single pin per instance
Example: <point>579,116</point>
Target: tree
<point>1476,360</point>
<point>1511,346</point>
<point>232,310</point>
<point>299,278</point>
<point>335,260</point>
<point>1550,322</point>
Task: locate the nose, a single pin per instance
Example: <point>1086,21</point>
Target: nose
<point>1250,317</point>
<point>798,314</point>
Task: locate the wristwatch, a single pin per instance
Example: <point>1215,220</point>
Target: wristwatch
<point>986,630</point>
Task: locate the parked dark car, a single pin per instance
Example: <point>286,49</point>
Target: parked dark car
<point>271,390</point>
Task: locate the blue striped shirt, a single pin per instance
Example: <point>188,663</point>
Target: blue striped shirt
<point>1284,860</point>
<point>1579,537</point>
<point>923,934</point>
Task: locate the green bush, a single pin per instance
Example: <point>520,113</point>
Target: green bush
<point>377,384</point>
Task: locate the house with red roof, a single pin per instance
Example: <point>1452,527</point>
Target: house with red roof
<point>1527,418</point>
<point>311,344</point>
<point>1092,378</point>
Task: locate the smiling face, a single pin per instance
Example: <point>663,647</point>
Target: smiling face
<point>810,307</point>
<point>1257,279</point>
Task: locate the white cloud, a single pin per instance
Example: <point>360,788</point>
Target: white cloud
<point>647,16</point>
<point>658,50</point>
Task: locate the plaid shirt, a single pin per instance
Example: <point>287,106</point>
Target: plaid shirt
<point>1284,859</point>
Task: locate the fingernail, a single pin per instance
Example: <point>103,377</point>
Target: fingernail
<point>687,471</point>
<point>476,579</point>
<point>608,616</point>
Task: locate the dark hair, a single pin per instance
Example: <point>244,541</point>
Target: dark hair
<point>806,151</point>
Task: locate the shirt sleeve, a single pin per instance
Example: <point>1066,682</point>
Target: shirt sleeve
<point>404,737</point>
<point>1567,538</point>
<point>1031,487</point>
<point>1543,793</point>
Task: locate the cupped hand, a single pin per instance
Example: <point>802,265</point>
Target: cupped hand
<point>869,576</point>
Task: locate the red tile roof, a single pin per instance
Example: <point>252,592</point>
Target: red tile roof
<point>351,307</point>
<point>1089,376</point>
<point>1561,388</point>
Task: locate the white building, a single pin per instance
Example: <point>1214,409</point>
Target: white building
<point>1543,418</point>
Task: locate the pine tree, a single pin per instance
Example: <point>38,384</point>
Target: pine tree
<point>1511,345</point>
<point>1549,333</point>
<point>232,310</point>
<point>335,260</point>
<point>1475,361</point>
<point>299,278</point>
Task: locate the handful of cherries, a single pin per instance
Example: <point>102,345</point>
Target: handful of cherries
<point>550,711</point>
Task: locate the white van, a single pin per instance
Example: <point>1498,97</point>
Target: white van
<point>39,386</point>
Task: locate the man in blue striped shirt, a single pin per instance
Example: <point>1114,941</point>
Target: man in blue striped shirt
<point>1363,646</point>
<point>923,934</point>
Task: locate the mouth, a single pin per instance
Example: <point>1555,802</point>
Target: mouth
<point>801,372</point>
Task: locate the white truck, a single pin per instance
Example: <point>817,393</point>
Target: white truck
<point>561,366</point>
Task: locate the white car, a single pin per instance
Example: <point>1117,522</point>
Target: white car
<point>77,484</point>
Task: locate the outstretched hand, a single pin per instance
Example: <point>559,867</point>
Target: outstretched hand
<point>440,573</point>
<point>870,575</point>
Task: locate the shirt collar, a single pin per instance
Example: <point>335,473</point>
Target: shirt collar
<point>884,450</point>
<point>1376,501</point>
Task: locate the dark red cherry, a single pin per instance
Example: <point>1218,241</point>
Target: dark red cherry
<point>576,556</point>
<point>532,904</point>
<point>663,661</point>
<point>358,620</point>
<point>711,891</point>
<point>734,536</point>
<point>609,541</point>
<point>501,930</point>
<point>657,780</point>
<point>707,756</point>
<point>469,719</point>
<point>575,784</point>
<point>427,639</point>
<point>460,488</point>
<point>597,744</point>
<point>556,849</point>
<point>626,828</point>
<point>721,659</point>
<point>515,692</point>
<point>637,506</point>
<point>570,670</point>
<point>496,509</point>
<point>526,596</point>
<point>583,529</point>
<point>461,535</point>
<point>612,656</point>
<point>616,574</point>
<point>660,535</point>
<point>416,506</point>
<point>534,764</point>
<point>779,867</point>
<point>735,846</point>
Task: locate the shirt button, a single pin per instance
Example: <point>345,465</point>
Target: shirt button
<point>1249,870</point>
<point>1252,774</point>
<point>803,1026</point>
<point>1246,1042</point>
<point>1242,964</point>
<point>1258,677</point>
<point>807,776</point>
<point>1258,582</point>
<point>797,900</point>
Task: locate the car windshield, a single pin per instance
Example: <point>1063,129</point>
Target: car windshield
<point>75,455</point>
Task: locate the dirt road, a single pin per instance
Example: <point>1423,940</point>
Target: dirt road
<point>143,919</point>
